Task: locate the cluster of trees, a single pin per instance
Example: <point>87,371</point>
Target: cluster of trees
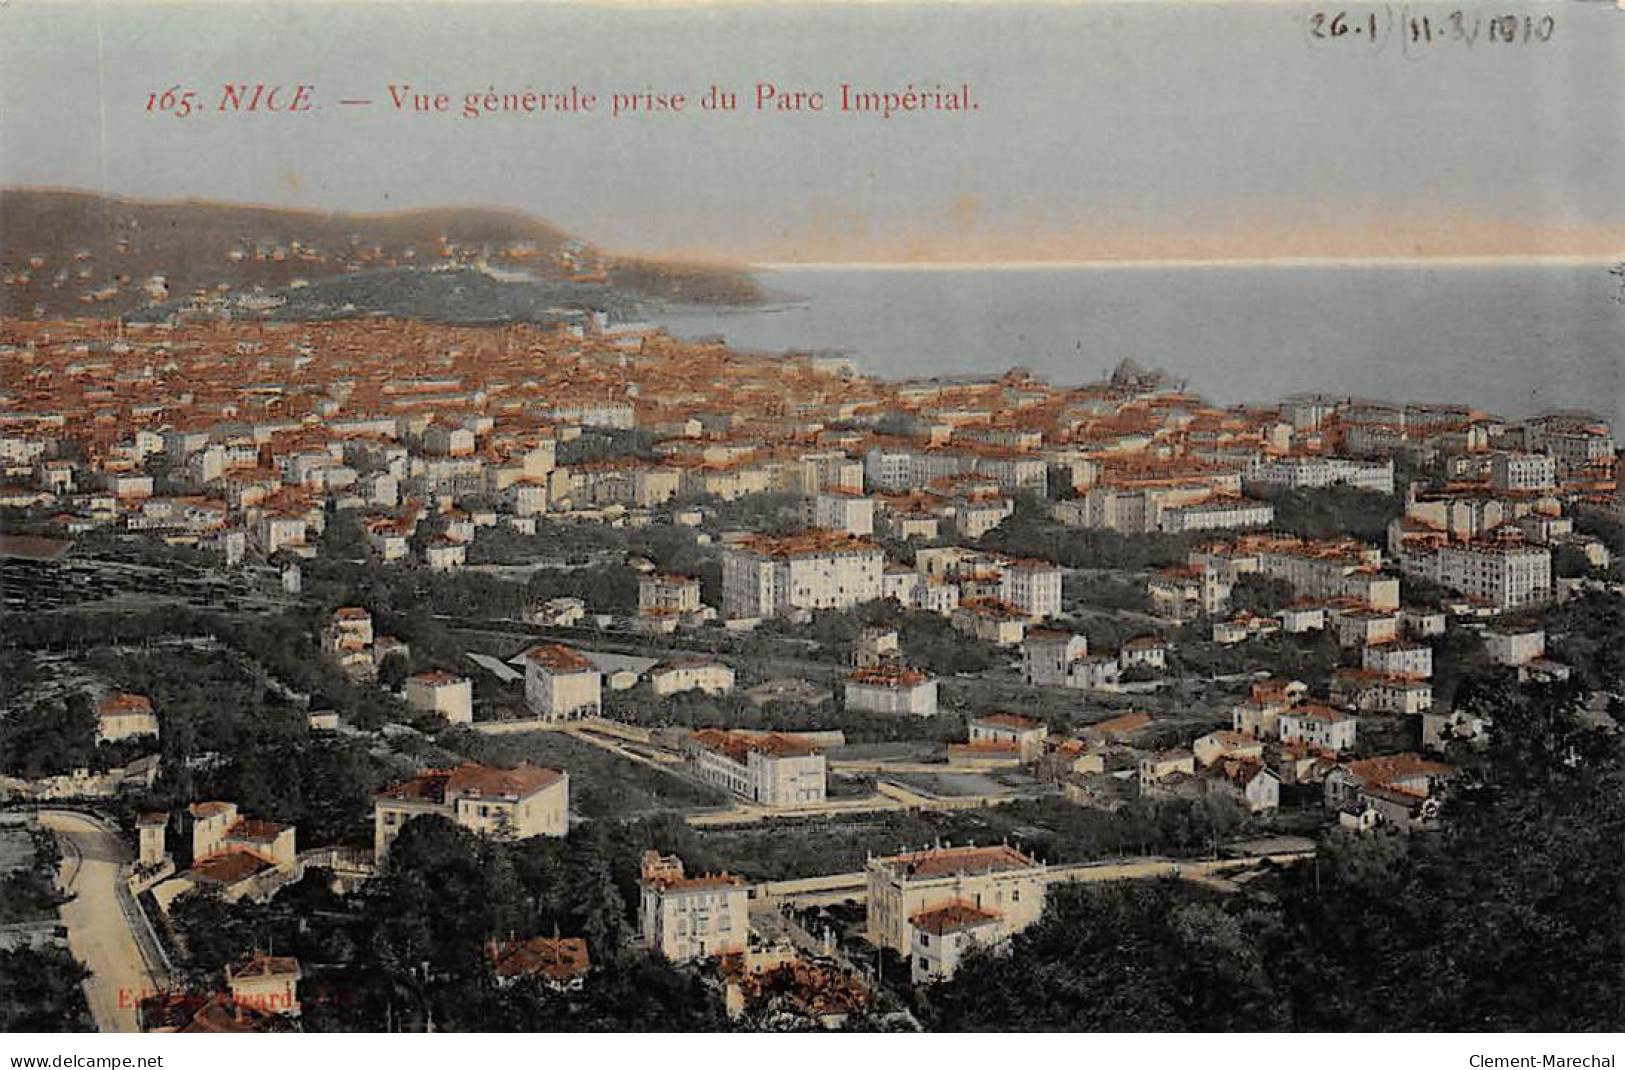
<point>1260,595</point>
<point>43,739</point>
<point>1508,918</point>
<point>1329,512</point>
<point>40,992</point>
<point>1310,657</point>
<point>29,892</point>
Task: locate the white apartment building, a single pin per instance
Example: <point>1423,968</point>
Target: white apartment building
<point>1315,471</point>
<point>767,576</point>
<point>1507,575</point>
<point>1411,660</point>
<point>1578,448</point>
<point>1047,656</point>
<point>1523,471</point>
<point>688,918</point>
<point>561,684</point>
<point>516,803</point>
<point>1318,726</point>
<point>769,768</point>
<point>852,514</point>
<point>1217,514</point>
<point>668,593</point>
<point>1032,586</point>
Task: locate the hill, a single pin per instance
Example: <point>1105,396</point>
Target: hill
<point>67,253</point>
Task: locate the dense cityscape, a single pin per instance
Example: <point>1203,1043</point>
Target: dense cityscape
<point>379,673</point>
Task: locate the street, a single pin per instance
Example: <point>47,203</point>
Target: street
<point>100,934</point>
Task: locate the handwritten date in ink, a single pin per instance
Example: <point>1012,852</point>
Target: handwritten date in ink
<point>1421,29</point>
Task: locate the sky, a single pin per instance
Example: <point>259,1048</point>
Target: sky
<point>1115,131</point>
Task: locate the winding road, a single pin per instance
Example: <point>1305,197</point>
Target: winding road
<point>102,934</point>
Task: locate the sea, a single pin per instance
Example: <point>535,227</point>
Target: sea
<point>1513,339</point>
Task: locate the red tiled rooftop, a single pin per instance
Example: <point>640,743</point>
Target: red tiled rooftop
<point>439,786</point>
<point>1018,721</point>
<point>948,861</point>
<point>229,868</point>
<point>555,958</point>
<point>952,917</point>
<point>558,658</point>
<point>123,702</point>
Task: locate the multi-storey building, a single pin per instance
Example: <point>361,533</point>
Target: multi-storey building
<point>1032,586</point>
<point>1047,656</point>
<point>891,688</point>
<point>1505,573</point>
<point>516,803</point>
<point>561,683</point>
<point>688,918</point>
<point>1318,726</point>
<point>124,716</point>
<point>1398,658</point>
<point>904,889</point>
<point>1523,472</point>
<point>767,576</point>
<point>439,692</point>
<point>1306,472</point>
<point>668,593</point>
<point>770,768</point>
<point>850,514</point>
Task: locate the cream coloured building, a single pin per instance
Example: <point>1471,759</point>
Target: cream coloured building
<point>516,803</point>
<point>691,674</point>
<point>561,684</point>
<point>945,934</point>
<point>1025,734</point>
<point>767,576</point>
<point>125,716</point>
<point>998,879</point>
<point>770,768</point>
<point>688,918</point>
<point>853,514</point>
<point>452,697</point>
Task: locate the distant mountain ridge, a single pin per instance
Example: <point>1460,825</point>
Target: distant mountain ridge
<point>69,253</point>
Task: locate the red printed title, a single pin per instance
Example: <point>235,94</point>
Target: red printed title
<point>406,99</point>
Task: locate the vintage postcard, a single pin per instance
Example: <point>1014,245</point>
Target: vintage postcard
<point>736,517</point>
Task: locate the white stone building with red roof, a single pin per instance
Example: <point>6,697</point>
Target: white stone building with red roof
<point>561,683</point>
<point>997,879</point>
<point>517,803</point>
<point>686,918</point>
